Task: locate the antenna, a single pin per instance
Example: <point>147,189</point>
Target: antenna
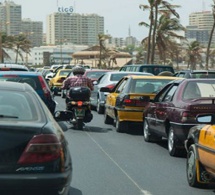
<point>129,31</point>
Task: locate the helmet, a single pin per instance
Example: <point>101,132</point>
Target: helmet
<point>78,70</point>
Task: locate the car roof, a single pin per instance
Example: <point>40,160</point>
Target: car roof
<point>124,72</point>
<point>13,86</point>
<point>25,73</point>
<point>154,77</point>
<point>15,66</point>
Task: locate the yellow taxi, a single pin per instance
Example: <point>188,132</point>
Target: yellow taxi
<point>126,102</point>
<point>56,81</point>
<point>201,152</point>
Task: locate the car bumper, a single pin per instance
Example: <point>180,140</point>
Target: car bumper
<point>131,115</point>
<point>35,181</point>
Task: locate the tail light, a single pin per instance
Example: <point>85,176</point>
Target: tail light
<point>133,102</point>
<point>41,148</point>
<point>111,86</point>
<point>188,117</point>
<point>79,103</point>
<point>44,87</point>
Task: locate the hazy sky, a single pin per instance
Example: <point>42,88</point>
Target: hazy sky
<point>118,14</point>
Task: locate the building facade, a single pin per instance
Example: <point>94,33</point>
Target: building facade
<point>82,29</point>
<point>10,17</point>
<point>34,31</point>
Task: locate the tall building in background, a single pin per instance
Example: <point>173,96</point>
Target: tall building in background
<point>34,31</point>
<point>82,29</point>
<point>10,18</point>
<point>200,25</point>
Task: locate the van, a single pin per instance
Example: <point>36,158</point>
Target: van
<point>150,68</point>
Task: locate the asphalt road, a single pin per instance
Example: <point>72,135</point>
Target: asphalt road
<point>109,163</point>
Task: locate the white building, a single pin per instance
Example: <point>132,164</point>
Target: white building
<point>81,29</point>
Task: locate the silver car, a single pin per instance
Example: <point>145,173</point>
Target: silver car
<point>109,79</point>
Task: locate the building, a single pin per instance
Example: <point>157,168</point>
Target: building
<point>34,31</point>
<point>10,18</point>
<point>203,21</point>
<point>81,29</point>
<point>200,35</point>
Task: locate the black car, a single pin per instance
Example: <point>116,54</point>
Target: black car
<point>196,74</point>
<point>34,154</point>
<point>36,80</point>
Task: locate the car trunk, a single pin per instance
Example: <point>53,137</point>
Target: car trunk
<point>14,137</point>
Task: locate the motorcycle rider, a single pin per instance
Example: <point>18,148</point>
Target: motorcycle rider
<point>78,80</point>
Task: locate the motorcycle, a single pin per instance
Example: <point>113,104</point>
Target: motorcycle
<point>78,103</point>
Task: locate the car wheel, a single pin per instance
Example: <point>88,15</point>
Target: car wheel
<point>64,191</point>
<point>121,126</point>
<point>172,143</point>
<point>99,108</point>
<point>63,95</point>
<point>107,119</point>
<point>192,167</point>
<point>148,137</point>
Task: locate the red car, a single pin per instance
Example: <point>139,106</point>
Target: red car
<point>174,109</point>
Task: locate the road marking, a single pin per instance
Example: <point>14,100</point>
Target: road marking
<point>144,192</point>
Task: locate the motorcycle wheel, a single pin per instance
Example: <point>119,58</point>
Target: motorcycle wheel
<point>80,124</point>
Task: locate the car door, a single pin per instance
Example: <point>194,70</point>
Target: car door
<point>206,147</point>
<point>111,98</point>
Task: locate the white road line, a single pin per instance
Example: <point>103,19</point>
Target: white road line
<point>144,192</point>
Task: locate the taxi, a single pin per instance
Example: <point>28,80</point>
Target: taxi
<point>125,103</point>
<point>201,152</point>
<point>56,81</point>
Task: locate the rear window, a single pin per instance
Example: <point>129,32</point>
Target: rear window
<point>203,75</point>
<point>32,81</point>
<point>156,70</point>
<point>64,73</point>
<point>17,106</point>
<point>95,75</point>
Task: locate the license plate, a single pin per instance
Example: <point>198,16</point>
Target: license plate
<point>79,112</point>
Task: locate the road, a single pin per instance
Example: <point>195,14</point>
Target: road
<point>109,163</point>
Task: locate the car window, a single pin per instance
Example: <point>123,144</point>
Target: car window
<point>121,86</point>
<point>17,105</point>
<point>169,94</point>
<point>102,78</point>
<point>64,73</point>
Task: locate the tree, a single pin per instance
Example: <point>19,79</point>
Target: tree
<point>210,38</point>
<point>193,53</point>
<point>6,43</point>
<point>21,44</point>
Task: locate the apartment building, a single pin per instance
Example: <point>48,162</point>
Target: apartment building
<point>10,17</point>
<point>82,29</point>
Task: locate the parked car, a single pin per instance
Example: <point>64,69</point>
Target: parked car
<point>34,152</point>
<point>57,80</point>
<point>37,82</point>
<point>93,74</point>
<point>173,110</point>
<point>196,74</point>
<point>109,79</point>
<point>127,101</point>
<point>201,152</point>
<point>13,67</point>
<point>154,69</point>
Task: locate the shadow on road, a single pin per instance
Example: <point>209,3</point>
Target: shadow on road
<point>97,129</point>
<point>74,191</point>
<point>135,129</point>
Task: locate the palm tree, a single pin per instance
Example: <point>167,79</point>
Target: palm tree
<point>6,43</point>
<point>193,53</point>
<point>21,44</point>
<point>210,39</point>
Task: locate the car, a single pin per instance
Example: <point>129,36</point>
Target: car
<point>34,152</point>
<point>154,69</point>
<point>196,74</point>
<point>93,74</point>
<point>13,67</point>
<point>37,82</point>
<point>200,165</point>
<point>127,100</point>
<point>109,79</point>
<point>57,80</point>
<point>173,110</point>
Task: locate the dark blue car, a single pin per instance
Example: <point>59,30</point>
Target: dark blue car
<point>36,81</point>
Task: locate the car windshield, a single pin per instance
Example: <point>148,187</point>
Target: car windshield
<point>17,106</point>
<point>203,75</point>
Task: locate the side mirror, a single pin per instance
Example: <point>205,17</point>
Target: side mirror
<point>95,82</point>
<point>63,115</point>
<point>105,89</point>
<point>205,118</point>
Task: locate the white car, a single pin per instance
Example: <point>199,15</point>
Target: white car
<point>109,79</point>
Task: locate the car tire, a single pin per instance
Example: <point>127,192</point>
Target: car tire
<point>172,143</point>
<point>99,108</point>
<point>148,137</point>
<point>107,119</point>
<point>121,126</point>
<point>193,167</point>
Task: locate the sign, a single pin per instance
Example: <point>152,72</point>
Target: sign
<point>64,7</point>
<point>67,10</point>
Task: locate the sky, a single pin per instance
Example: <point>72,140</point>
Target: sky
<point>118,15</point>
